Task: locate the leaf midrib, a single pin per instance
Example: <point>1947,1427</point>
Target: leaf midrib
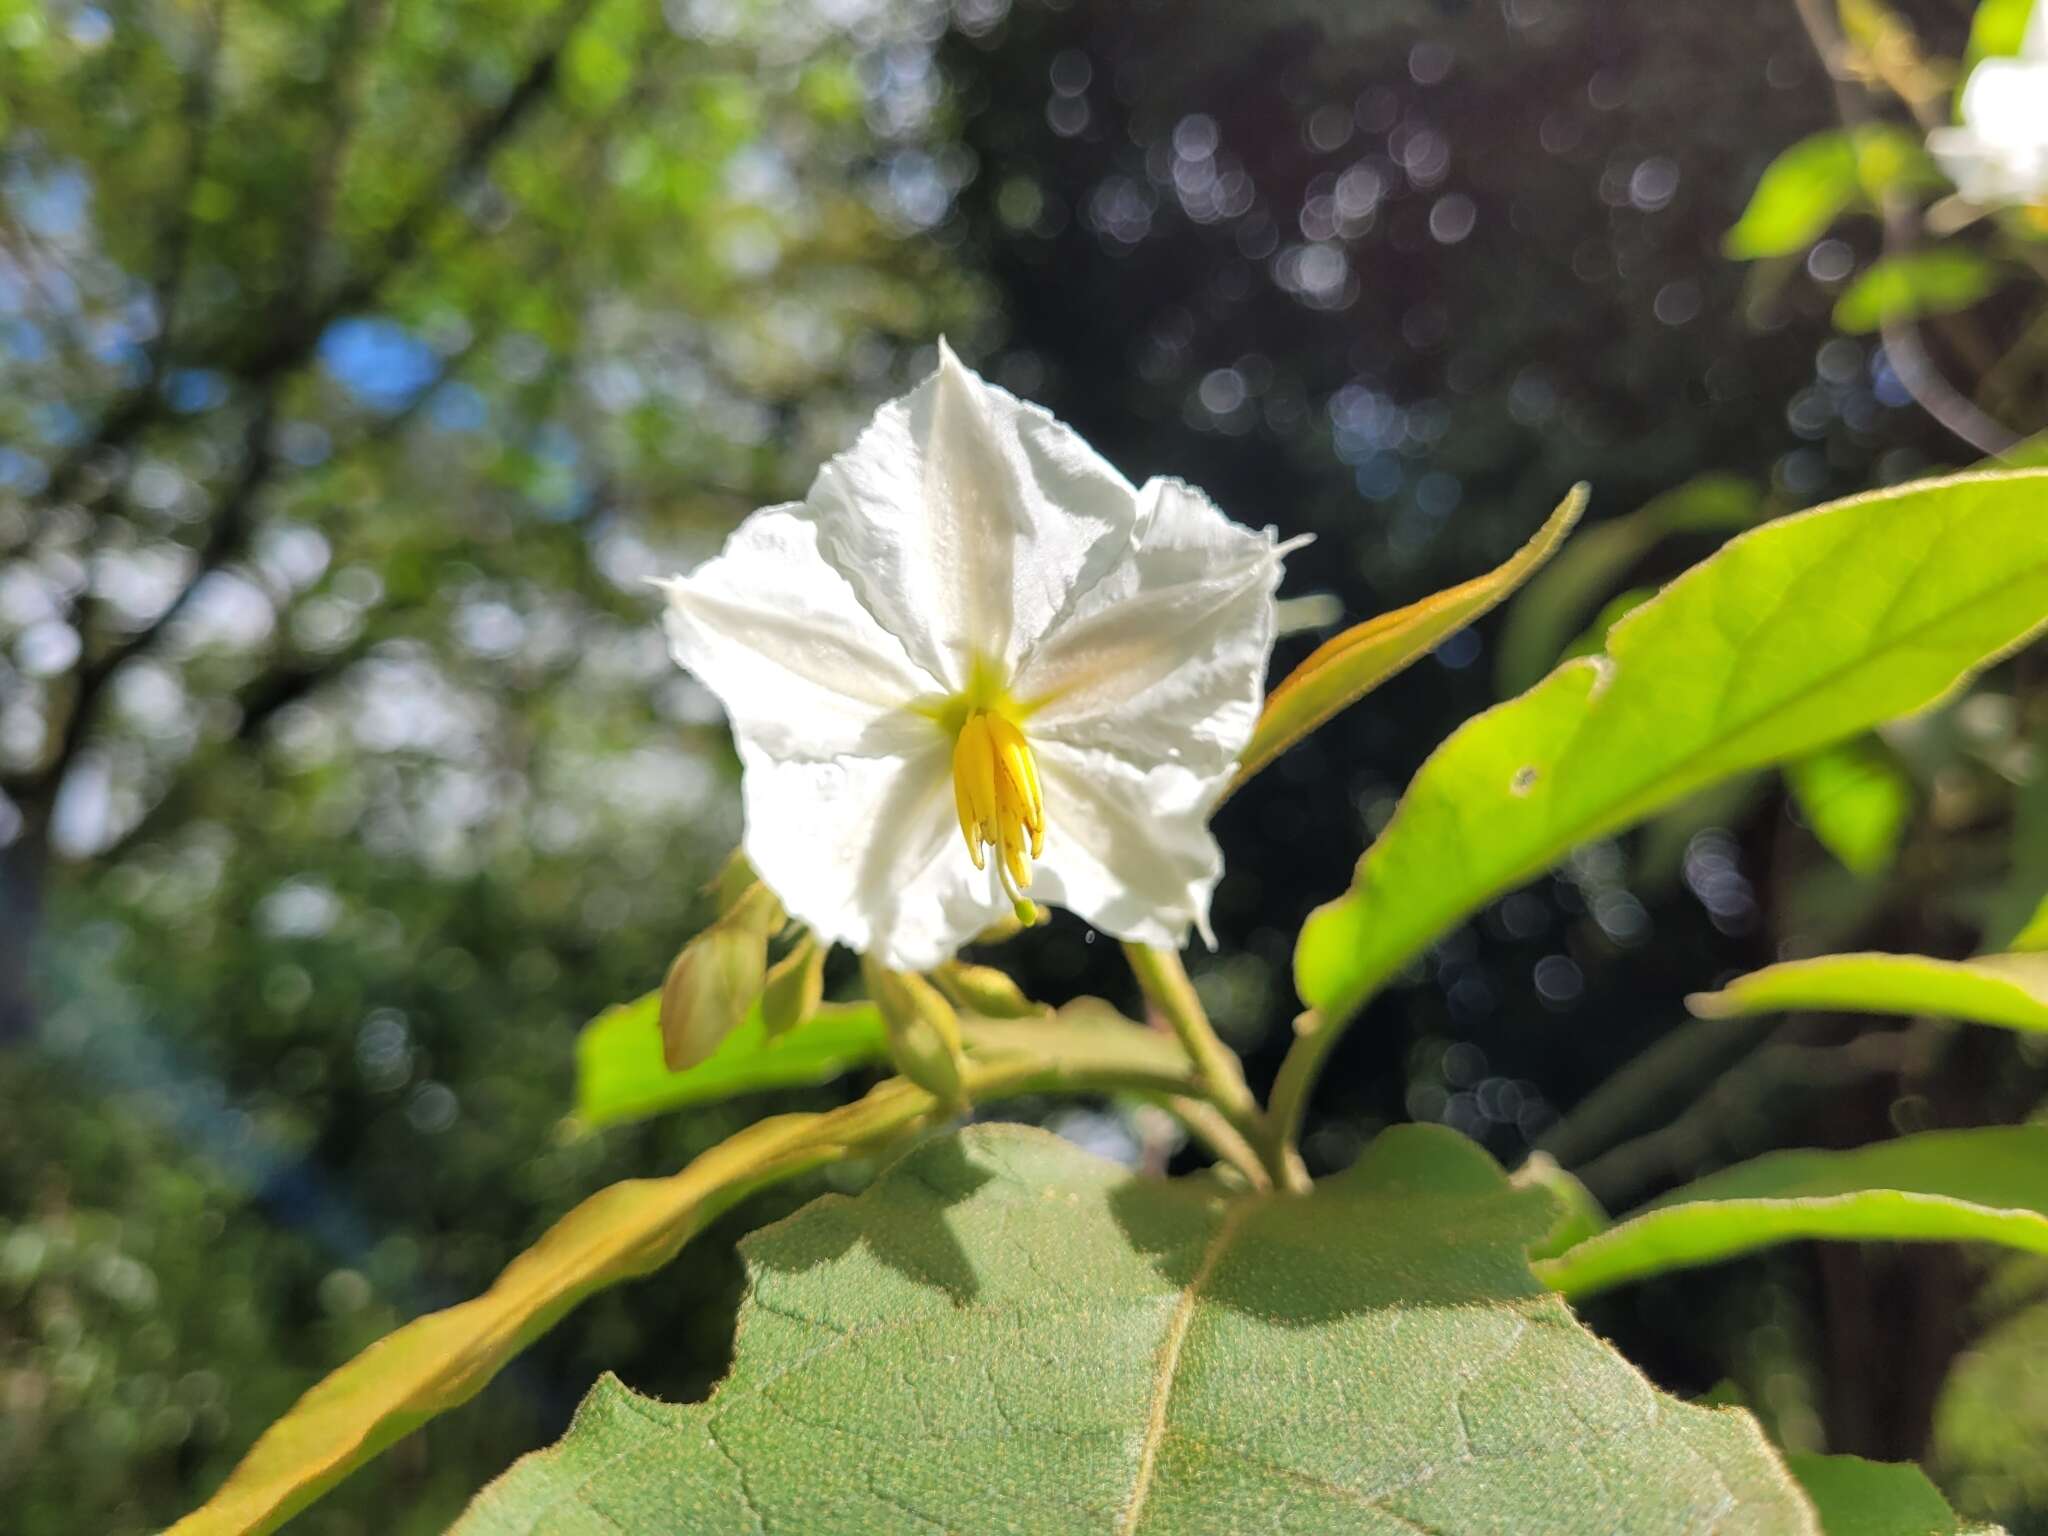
<point>1167,1372</point>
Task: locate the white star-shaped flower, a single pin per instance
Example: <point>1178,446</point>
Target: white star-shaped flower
<point>973,661</point>
<point>1998,156</point>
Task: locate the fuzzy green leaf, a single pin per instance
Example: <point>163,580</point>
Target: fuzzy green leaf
<point>1006,1334</point>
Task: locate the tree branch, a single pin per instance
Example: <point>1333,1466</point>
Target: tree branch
<point>292,344</point>
<point>225,538</point>
<point>140,404</point>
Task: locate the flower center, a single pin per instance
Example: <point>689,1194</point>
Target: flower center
<point>996,791</point>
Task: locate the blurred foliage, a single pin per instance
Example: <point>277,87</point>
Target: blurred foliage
<point>357,364</point>
<point>359,360</point>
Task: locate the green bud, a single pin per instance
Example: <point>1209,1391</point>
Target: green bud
<point>734,883</point>
<point>924,1033</point>
<point>716,979</point>
<point>987,991</point>
<point>796,985</point>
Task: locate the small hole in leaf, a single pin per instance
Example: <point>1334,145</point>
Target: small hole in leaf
<point>1524,779</point>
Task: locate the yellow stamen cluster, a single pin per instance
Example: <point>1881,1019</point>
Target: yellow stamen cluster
<point>996,791</point>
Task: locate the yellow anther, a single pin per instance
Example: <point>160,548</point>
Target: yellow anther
<point>998,797</point>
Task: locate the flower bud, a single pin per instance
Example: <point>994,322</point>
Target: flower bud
<point>985,990</point>
<point>716,978</point>
<point>796,985</point>
<point>924,1033</point>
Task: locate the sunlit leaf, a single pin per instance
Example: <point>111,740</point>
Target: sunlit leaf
<point>2034,936</point>
<point>1814,182</point>
<point>1004,1333</point>
<point>1556,602</point>
<point>1577,1215</point>
<point>1854,1497</point>
<point>620,1074</point>
<point>1932,282</point>
<point>1344,669</point>
<point>1998,29</point>
<point>1856,799</point>
<point>1987,1186</point>
<point>1796,634</point>
<point>443,1359</point>
<point>2007,990</point>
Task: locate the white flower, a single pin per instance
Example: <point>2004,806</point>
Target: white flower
<point>975,660</point>
<point>1999,155</point>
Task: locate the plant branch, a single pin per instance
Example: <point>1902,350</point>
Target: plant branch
<point>1908,356</point>
<point>1168,989</point>
<point>1170,992</point>
<point>1210,1126</point>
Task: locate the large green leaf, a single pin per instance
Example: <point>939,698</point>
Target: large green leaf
<point>1006,1334</point>
<point>1814,182</point>
<point>1560,598</point>
<point>2008,990</point>
<point>620,1074</point>
<point>1340,672</point>
<point>1793,635</point>
<point>439,1361</point>
<point>1855,1497</point>
<point>1987,1185</point>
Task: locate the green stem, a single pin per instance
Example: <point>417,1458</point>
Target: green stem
<point>1168,989</point>
<point>1313,1037</point>
<point>1209,1125</point>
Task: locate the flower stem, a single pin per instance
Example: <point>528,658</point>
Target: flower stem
<point>1168,989</point>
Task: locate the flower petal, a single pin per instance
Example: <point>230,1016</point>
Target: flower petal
<point>2000,153</point>
<point>1127,847</point>
<point>867,852</point>
<point>800,665</point>
<point>968,520</point>
<point>1165,659</point>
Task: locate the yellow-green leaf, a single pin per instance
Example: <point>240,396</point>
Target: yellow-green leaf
<point>1814,182</point>
<point>445,1358</point>
<point>1987,1186</point>
<point>1343,670</point>
<point>2034,936</point>
<point>1795,634</point>
<point>1934,282</point>
<point>1856,799</point>
<point>2010,990</point>
<point>1557,600</point>
<point>442,1360</point>
<point>620,1074</point>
